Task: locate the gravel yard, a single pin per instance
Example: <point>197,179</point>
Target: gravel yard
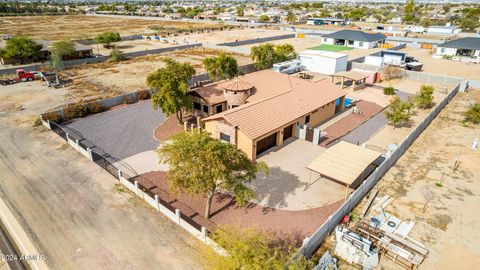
<point>123,131</point>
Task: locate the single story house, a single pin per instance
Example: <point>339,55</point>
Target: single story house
<point>468,46</point>
<point>282,105</point>
<point>443,30</point>
<point>354,38</point>
<point>81,51</point>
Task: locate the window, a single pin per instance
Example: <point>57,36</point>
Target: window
<point>224,137</point>
<point>350,42</point>
<point>197,106</point>
<point>307,119</point>
<point>360,44</point>
<point>219,108</point>
<point>442,50</point>
<point>205,108</point>
<point>325,39</point>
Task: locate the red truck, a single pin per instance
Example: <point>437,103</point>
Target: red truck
<point>22,76</point>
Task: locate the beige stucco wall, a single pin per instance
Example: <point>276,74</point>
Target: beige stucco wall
<point>248,146</point>
<point>322,114</point>
<point>245,144</point>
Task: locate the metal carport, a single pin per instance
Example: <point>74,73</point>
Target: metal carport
<point>344,163</point>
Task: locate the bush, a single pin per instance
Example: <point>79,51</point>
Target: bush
<point>389,90</point>
<point>94,107</point>
<point>73,111</point>
<point>447,57</point>
<point>399,111</point>
<point>142,95</point>
<point>424,99</point>
<point>391,72</point>
<point>116,55</point>
<point>473,113</point>
<point>52,117</point>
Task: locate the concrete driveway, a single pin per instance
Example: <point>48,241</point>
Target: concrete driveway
<point>287,185</point>
<point>121,132</point>
<point>70,209</point>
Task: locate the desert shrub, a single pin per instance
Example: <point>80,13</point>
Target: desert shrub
<point>116,55</point>
<point>389,90</point>
<point>447,57</point>
<point>94,107</point>
<point>142,95</point>
<point>473,113</point>
<point>75,110</point>
<point>392,72</point>
<point>52,117</point>
<point>399,111</point>
<point>424,99</point>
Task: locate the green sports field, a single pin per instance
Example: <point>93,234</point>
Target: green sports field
<point>331,48</point>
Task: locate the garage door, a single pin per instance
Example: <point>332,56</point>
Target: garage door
<point>266,143</point>
<point>287,132</point>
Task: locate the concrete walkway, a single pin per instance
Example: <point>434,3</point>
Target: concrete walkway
<point>141,163</point>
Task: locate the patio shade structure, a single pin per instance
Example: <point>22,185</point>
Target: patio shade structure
<point>343,163</point>
<point>358,79</point>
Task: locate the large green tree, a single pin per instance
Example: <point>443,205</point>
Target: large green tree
<point>107,38</point>
<point>284,52</point>
<point>265,55</point>
<point>170,89</point>
<point>252,249</point>
<point>202,165</point>
<point>63,48</point>
<point>222,67</point>
<point>291,18</point>
<point>21,48</point>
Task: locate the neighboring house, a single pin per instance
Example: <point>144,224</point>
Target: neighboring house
<point>395,20</point>
<point>266,108</point>
<point>443,30</point>
<point>468,46</point>
<point>322,21</point>
<point>354,38</point>
<point>81,51</point>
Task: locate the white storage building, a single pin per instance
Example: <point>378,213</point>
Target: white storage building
<point>323,62</point>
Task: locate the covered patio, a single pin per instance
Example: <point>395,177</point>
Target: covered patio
<point>344,163</point>
<point>351,79</point>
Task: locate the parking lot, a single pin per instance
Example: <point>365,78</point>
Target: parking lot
<point>123,131</point>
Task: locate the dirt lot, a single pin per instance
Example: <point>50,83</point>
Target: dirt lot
<point>130,75</point>
<point>449,226</point>
<point>233,35</point>
<point>132,46</point>
<point>389,134</point>
<point>445,67</point>
<point>80,27</point>
<point>69,206</point>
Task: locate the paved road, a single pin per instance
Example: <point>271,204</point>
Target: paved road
<point>70,209</point>
<point>122,132</point>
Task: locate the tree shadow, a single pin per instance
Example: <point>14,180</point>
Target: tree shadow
<point>275,187</point>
